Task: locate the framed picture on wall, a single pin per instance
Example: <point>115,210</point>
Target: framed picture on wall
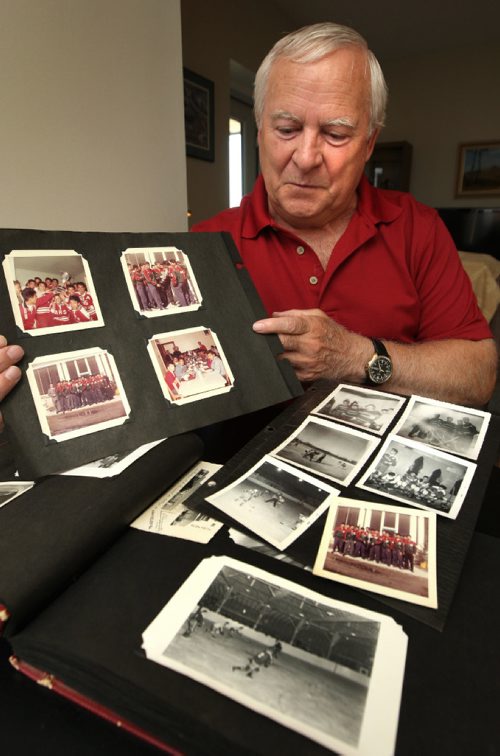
<point>478,169</point>
<point>199,116</point>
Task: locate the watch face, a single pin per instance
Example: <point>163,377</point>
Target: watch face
<point>380,369</point>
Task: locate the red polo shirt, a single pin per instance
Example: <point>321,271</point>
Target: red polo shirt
<point>394,274</point>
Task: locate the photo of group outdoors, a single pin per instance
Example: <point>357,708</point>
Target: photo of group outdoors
<point>76,393</point>
<point>313,664</point>
<point>385,549</point>
<point>11,488</point>
<point>275,500</point>
<point>361,407</point>
<point>458,430</point>
<point>328,449</point>
<point>51,291</point>
<point>190,364</point>
<point>160,281</point>
<point>415,474</point>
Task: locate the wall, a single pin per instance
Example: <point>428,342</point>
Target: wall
<point>213,33</point>
<point>437,102</point>
<point>92,130</point>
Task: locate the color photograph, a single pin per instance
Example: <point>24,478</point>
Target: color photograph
<point>77,393</point>
<point>160,281</point>
<point>381,548</point>
<point>51,291</point>
<point>10,489</point>
<point>190,364</point>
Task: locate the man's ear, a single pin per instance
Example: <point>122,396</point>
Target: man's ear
<point>371,143</point>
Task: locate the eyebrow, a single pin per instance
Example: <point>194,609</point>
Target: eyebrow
<point>344,121</point>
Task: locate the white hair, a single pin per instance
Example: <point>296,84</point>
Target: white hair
<point>311,43</point>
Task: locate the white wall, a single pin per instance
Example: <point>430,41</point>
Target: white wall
<point>91,126</point>
<point>437,102</point>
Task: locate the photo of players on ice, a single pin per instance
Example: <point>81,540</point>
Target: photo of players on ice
<point>190,364</point>
<point>415,474</point>
<point>327,449</point>
<point>458,430</point>
<point>386,549</point>
<point>360,407</point>
<point>77,393</point>
<point>275,501</point>
<point>51,291</point>
<point>160,281</point>
<point>304,660</point>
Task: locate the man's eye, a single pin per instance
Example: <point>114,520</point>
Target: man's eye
<point>286,130</point>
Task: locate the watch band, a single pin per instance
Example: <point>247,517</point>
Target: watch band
<point>380,348</point>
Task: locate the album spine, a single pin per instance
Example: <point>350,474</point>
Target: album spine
<point>56,686</point>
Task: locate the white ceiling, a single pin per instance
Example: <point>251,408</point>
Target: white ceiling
<point>396,28</point>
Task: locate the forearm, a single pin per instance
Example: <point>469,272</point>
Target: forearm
<point>454,370</point>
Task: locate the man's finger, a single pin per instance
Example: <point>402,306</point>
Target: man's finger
<point>8,379</point>
<point>285,324</point>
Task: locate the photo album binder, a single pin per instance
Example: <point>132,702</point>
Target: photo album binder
<point>129,338</point>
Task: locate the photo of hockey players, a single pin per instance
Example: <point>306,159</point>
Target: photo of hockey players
<point>9,489</point>
<point>51,291</point>
<point>77,393</point>
<point>363,408</point>
<point>328,449</point>
<point>311,663</point>
<point>415,474</point>
<point>275,500</point>
<point>160,281</point>
<point>458,430</point>
<point>190,364</point>
<point>385,549</point>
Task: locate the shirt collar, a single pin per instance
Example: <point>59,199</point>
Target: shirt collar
<point>375,205</point>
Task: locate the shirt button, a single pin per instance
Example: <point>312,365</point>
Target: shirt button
<point>313,280</point>
<point>300,250</point>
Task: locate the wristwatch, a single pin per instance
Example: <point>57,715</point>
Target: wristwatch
<point>379,368</point>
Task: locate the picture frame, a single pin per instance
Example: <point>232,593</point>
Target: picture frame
<point>199,116</point>
<point>478,173</point>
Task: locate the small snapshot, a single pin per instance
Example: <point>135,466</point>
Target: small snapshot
<point>381,548</point>
<point>190,364</point>
<point>328,449</point>
<point>51,291</point>
<point>315,665</point>
<point>415,474</point>
<point>275,500</point>
<point>160,281</point>
<point>76,393</point>
<point>364,408</point>
<point>454,429</point>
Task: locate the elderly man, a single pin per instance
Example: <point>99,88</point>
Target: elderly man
<point>361,285</point>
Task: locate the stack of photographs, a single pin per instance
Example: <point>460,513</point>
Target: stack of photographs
<point>364,436</point>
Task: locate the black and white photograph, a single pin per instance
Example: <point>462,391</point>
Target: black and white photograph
<point>416,474</point>
<point>361,407</point>
<point>315,665</point>
<point>174,516</point>
<point>113,464</point>
<point>328,449</point>
<point>381,548</point>
<point>51,291</point>
<point>10,489</point>
<point>160,281</point>
<point>76,393</point>
<point>190,364</point>
<point>275,500</point>
<point>454,429</point>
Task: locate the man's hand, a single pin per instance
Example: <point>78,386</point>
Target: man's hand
<point>10,374</point>
<point>317,346</point>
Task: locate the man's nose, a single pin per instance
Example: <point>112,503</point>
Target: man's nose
<point>308,153</point>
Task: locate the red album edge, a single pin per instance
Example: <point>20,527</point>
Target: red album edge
<point>49,681</point>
